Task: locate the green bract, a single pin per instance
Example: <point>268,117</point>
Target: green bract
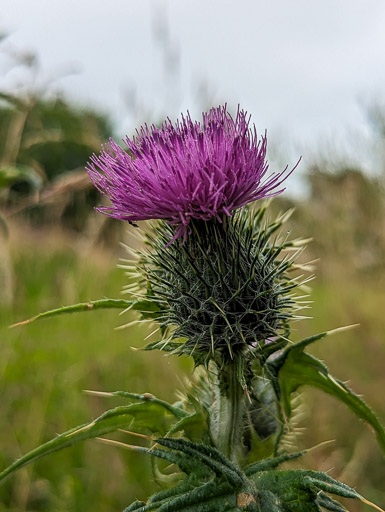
<point>227,290</point>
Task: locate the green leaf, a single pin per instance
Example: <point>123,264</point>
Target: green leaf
<point>208,456</point>
<point>213,483</point>
<point>227,488</point>
<point>295,368</point>
<point>300,491</point>
<point>150,414</point>
<point>146,308</point>
<point>194,426</point>
<point>271,463</point>
<point>83,306</point>
<point>178,412</point>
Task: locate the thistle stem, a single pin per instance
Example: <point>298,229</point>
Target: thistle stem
<point>230,412</point>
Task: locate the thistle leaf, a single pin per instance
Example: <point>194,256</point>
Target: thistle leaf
<point>92,305</point>
<point>227,488</point>
<point>300,490</point>
<point>208,456</point>
<point>195,426</point>
<point>178,412</point>
<point>271,463</point>
<point>150,414</point>
<point>295,368</point>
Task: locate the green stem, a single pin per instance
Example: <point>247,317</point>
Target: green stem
<point>228,427</point>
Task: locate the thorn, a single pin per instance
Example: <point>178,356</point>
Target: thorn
<point>126,310</point>
<point>24,322</point>
<point>342,329</point>
<point>116,443</point>
<point>97,393</point>
<point>247,394</point>
<point>153,446</point>
<point>367,502</point>
<point>151,333</point>
<point>323,443</point>
<point>143,436</point>
<point>81,429</point>
<point>337,383</point>
<point>130,324</point>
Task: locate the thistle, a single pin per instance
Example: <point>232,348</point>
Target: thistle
<point>223,285</point>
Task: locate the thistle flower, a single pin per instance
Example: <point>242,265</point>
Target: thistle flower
<point>186,171</point>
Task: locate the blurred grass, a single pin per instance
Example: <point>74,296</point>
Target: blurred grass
<point>45,366</point>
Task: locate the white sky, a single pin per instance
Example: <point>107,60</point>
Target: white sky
<point>304,69</point>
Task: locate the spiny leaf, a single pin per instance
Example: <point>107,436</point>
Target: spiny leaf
<point>178,412</point>
<point>85,306</point>
<point>184,486</point>
<point>209,456</point>
<point>192,498</point>
<point>327,502</point>
<point>195,426</point>
<point>266,491</point>
<point>209,503</point>
<point>149,415</point>
<point>300,490</point>
<point>269,464</point>
<point>135,506</point>
<point>295,368</point>
<point>141,306</point>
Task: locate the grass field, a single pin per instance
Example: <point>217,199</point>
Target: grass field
<point>45,366</point>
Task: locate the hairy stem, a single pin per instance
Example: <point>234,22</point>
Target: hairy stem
<point>230,410</point>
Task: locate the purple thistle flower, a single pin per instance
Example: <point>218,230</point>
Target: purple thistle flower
<point>187,170</point>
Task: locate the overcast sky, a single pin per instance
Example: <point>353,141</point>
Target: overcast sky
<point>304,69</point>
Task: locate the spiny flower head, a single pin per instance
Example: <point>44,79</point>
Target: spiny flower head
<point>187,170</point>
<point>227,290</point>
